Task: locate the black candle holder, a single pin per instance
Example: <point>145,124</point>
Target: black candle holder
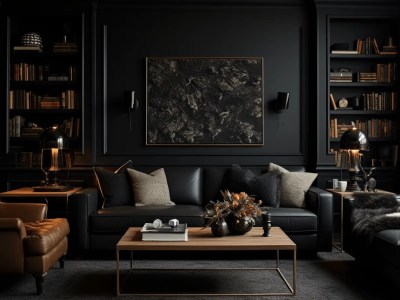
<point>266,224</point>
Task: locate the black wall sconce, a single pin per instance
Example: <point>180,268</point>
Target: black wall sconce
<point>281,103</point>
<point>130,103</point>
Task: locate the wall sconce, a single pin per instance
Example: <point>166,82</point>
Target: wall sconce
<point>281,103</point>
<point>53,159</point>
<point>353,141</point>
<point>130,103</point>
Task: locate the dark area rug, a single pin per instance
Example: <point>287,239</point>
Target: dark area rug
<point>327,276</point>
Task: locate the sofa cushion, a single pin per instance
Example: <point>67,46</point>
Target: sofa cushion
<point>150,189</point>
<point>294,220</point>
<point>118,219</point>
<point>188,177</point>
<point>114,186</point>
<point>264,187</point>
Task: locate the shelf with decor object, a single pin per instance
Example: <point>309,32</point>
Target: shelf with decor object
<point>45,81</point>
<point>363,84</point>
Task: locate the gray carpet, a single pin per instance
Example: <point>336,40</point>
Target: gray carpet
<point>329,276</point>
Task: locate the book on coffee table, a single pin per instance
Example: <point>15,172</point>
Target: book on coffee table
<point>164,233</point>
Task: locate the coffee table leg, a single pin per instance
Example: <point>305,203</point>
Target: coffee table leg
<point>118,286</point>
<point>294,273</point>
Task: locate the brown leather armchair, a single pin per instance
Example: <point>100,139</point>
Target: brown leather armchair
<point>31,243</point>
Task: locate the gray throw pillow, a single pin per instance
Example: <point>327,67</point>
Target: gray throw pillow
<point>150,189</point>
<point>276,168</point>
<point>294,186</point>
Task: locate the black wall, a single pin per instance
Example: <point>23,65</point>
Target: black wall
<point>127,34</point>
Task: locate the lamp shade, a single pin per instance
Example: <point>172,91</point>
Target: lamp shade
<point>354,139</point>
<point>52,137</point>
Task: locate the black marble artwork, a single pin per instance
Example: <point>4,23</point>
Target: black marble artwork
<point>205,101</point>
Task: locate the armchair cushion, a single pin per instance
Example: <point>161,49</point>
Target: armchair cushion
<point>44,235</point>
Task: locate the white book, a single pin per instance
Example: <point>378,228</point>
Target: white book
<point>344,52</point>
<point>165,233</point>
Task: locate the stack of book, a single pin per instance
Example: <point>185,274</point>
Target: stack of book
<point>165,233</point>
<point>31,131</point>
<point>341,76</point>
<point>367,77</point>
<point>49,102</point>
<point>65,47</point>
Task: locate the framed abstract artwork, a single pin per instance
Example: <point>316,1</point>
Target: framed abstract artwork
<point>194,101</point>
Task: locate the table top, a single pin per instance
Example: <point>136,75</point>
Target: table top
<point>202,239</point>
<point>28,192</point>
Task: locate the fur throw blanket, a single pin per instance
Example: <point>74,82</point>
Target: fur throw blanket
<point>374,212</point>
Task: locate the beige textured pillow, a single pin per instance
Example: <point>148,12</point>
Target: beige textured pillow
<point>150,189</point>
<point>274,167</point>
<point>294,186</point>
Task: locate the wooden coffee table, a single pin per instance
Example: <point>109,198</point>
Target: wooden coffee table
<point>202,240</point>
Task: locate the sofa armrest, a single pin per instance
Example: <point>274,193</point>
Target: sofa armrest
<point>320,202</point>
<point>27,212</point>
<point>84,203</point>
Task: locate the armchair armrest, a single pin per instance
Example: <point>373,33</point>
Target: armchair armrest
<point>84,202</point>
<point>12,224</point>
<point>27,212</point>
<point>12,233</point>
<point>320,202</point>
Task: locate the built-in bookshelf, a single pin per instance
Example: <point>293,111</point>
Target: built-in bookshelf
<point>45,84</point>
<point>363,83</point>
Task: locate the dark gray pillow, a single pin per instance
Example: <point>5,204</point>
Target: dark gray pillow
<point>114,186</point>
<point>264,187</point>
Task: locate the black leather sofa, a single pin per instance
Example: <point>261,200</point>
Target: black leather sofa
<point>376,252</point>
<point>191,188</point>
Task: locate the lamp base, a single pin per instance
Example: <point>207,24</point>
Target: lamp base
<point>352,186</point>
<point>52,188</point>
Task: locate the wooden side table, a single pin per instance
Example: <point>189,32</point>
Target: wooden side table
<point>341,195</point>
<point>27,192</point>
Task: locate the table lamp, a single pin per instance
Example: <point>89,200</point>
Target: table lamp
<point>53,159</point>
<point>353,141</point>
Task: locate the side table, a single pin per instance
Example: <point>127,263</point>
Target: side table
<point>337,193</point>
<point>27,192</point>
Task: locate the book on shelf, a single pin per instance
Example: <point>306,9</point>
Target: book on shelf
<point>344,52</point>
<point>367,46</point>
<point>333,102</point>
<point>165,233</point>
<point>28,48</point>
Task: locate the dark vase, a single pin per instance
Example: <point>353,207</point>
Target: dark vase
<point>239,225</point>
<point>219,228</point>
